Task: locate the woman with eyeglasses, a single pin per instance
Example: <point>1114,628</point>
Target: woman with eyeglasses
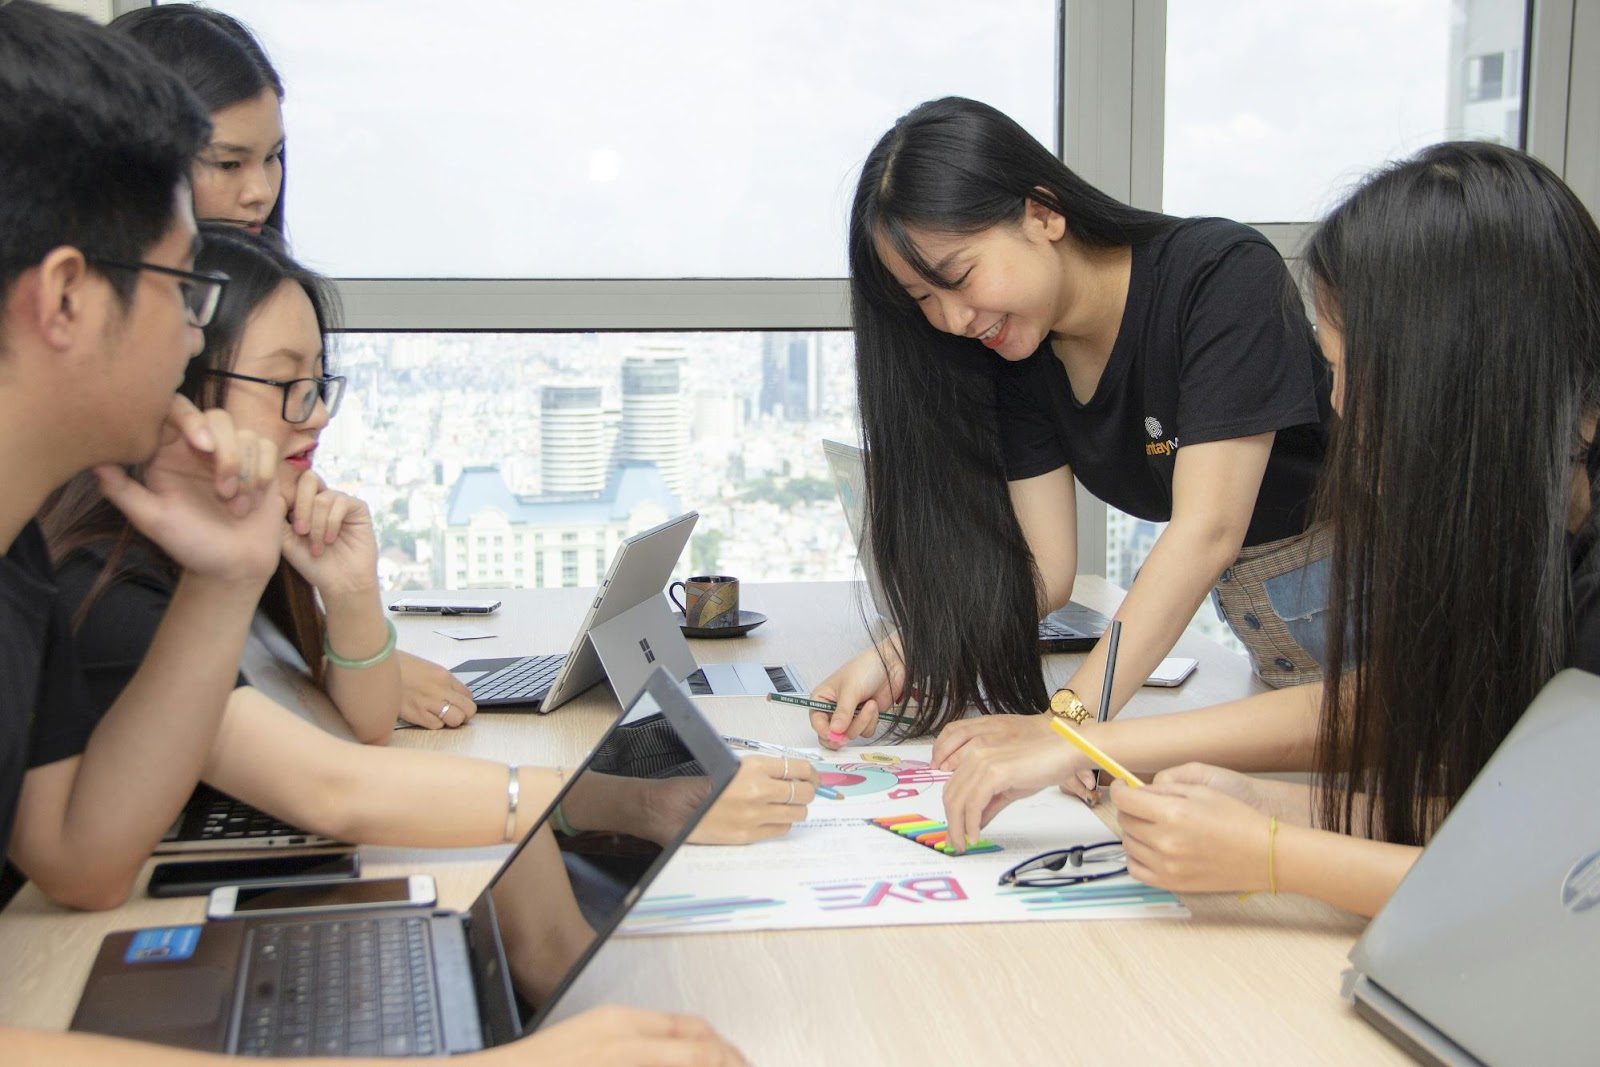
<point>1458,301</point>
<point>264,362</point>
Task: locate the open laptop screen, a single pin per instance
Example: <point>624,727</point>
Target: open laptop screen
<point>634,801</point>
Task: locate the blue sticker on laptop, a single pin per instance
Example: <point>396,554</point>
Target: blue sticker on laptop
<point>162,944</point>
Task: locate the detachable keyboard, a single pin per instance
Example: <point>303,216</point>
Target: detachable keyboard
<point>357,987</point>
<point>526,680</point>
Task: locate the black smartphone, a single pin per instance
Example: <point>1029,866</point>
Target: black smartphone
<point>196,878</point>
<point>444,606</point>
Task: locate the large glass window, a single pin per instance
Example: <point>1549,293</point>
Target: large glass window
<point>545,450</point>
<point>1273,109</point>
<point>616,138</point>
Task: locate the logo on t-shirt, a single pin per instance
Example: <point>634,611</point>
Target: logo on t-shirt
<point>1155,446</point>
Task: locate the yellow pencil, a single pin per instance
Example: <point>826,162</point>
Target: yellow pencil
<point>1105,762</point>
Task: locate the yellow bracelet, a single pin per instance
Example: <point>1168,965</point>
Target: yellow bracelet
<point>1272,847</point>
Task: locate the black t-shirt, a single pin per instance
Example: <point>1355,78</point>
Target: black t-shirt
<point>116,633</point>
<point>1213,346</point>
<point>45,713</point>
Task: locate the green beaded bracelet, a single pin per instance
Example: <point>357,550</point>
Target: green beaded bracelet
<point>361,664</point>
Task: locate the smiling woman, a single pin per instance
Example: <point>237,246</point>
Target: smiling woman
<point>1164,363</point>
<point>238,176</point>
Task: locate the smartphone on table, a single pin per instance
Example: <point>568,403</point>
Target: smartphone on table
<point>249,901</point>
<point>196,878</point>
<point>444,606</point>
<point>1172,671</point>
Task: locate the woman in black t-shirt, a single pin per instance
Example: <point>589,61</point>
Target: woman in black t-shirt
<point>1458,299</point>
<point>1166,364</point>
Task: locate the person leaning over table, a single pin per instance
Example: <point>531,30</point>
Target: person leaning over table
<point>1018,330</point>
<point>98,309</point>
<point>1458,300</point>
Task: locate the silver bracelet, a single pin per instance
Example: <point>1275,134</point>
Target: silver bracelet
<point>513,794</point>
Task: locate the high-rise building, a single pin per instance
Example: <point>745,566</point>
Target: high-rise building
<point>655,423</point>
<point>1486,67</point>
<point>791,376</point>
<point>489,536</point>
<point>572,439</point>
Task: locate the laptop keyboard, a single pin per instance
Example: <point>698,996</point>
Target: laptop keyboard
<point>782,682</point>
<point>223,817</point>
<point>1049,627</point>
<point>527,679</point>
<point>359,987</point>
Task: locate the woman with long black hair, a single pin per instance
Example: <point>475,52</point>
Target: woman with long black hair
<point>1017,330</point>
<point>239,175</point>
<point>1458,300</point>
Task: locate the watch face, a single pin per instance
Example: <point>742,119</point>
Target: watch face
<point>1065,703</point>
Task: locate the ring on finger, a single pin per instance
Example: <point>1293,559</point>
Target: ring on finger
<point>791,792</point>
<point>444,711</point>
<point>786,766</point>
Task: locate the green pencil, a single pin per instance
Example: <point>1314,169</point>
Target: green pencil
<point>828,705</point>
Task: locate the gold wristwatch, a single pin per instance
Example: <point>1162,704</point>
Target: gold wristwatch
<point>1064,704</point>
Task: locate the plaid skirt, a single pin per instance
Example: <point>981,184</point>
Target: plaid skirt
<point>1275,597</point>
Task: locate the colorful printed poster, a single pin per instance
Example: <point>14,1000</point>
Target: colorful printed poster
<point>840,868</point>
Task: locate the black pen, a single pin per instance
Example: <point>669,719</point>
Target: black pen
<point>1111,671</point>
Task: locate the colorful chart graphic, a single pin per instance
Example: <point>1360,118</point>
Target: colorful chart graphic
<point>878,772</point>
<point>658,914</point>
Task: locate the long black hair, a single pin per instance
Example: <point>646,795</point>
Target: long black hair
<point>1466,284</point>
<point>77,515</point>
<point>955,567</point>
<point>216,55</point>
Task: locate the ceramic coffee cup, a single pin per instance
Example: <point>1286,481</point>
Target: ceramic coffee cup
<point>709,600</point>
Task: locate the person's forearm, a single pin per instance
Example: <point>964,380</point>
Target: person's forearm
<point>1182,567</point>
<point>1273,731</point>
<point>368,698</point>
<point>271,758</point>
<point>144,757</point>
<point>1347,872</point>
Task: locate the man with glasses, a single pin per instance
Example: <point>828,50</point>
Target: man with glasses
<point>98,314</point>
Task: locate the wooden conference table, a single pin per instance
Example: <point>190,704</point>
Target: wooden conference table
<point>1252,981</point>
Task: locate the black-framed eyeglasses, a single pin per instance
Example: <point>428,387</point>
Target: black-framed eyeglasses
<point>300,395</point>
<point>202,290</point>
<point>1087,863</point>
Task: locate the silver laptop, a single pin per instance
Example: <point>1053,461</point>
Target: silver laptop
<point>624,652</point>
<point>421,981</point>
<point>1074,628</point>
<point>1489,951</point>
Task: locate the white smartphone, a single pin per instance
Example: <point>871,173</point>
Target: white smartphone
<point>1172,671</point>
<point>243,902</point>
<point>444,606</point>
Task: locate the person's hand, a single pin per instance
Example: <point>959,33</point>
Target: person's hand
<point>619,1037</point>
<point>765,798</point>
<point>1002,766</point>
<point>430,696</point>
<point>966,736</point>
<point>1183,835</point>
<point>206,496</point>
<point>329,539</point>
<point>863,682</point>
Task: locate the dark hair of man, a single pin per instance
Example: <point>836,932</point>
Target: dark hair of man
<point>1466,283</point>
<point>95,138</point>
<point>216,55</point>
<point>960,582</point>
<point>77,514</point>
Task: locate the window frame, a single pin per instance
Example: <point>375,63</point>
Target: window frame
<point>1110,110</point>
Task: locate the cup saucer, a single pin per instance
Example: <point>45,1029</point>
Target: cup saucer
<point>748,620</point>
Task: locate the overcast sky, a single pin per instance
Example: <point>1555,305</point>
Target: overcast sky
<point>720,138</point>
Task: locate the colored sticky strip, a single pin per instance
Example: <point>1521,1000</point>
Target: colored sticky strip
<point>891,820</point>
<point>932,839</point>
<point>912,829</point>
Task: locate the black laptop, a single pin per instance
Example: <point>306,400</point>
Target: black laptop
<point>422,982</point>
